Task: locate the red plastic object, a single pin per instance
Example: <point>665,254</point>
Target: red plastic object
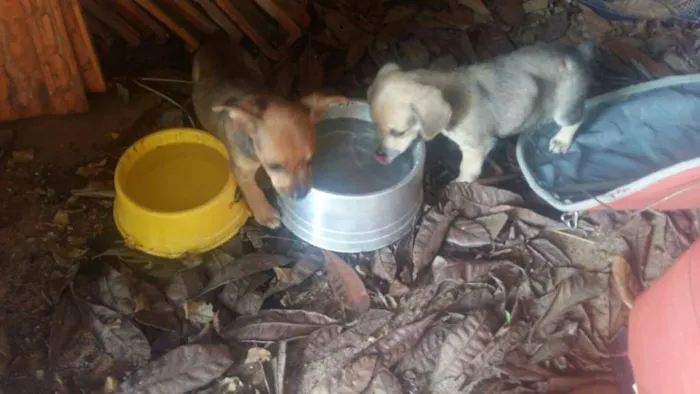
<point>664,330</point>
<point>677,191</point>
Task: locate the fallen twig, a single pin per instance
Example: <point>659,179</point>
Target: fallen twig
<point>165,80</point>
<point>279,367</point>
<point>166,98</point>
<point>576,237</point>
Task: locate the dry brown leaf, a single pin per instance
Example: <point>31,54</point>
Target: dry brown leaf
<point>415,53</point>
<point>444,63</point>
<point>399,13</point>
<point>396,345</point>
<point>283,81</point>
<point>61,219</point>
<point>117,335</point>
<point>5,349</point>
<point>641,60</point>
<point>571,384</point>
<point>468,234</point>
<point>424,356</point>
<point>598,388</point>
<point>474,200</point>
<point>354,378</point>
<point>357,50</point>
<point>65,323</point>
<point>288,277</point>
<point>274,325</point>
<point>448,268</point>
<point>6,137</point>
<point>199,312</point>
<point>384,264</point>
<point>344,29</point>
<point>390,34</point>
<point>557,344</point>
<point>429,239</point>
<point>638,233</point>
<point>329,340</point>
<point>626,283</point>
<point>568,294</point>
<point>346,284</point>
<point>530,6</point>
<point>384,383</point>
<point>311,71</point>
<point>510,11</point>
<point>550,252</point>
<point>23,156</point>
<point>476,6</point>
<point>257,355</point>
<point>152,309</point>
<point>681,230</point>
<point>183,369</point>
<point>319,340</point>
<point>130,295</point>
<point>462,350</point>
<point>224,268</point>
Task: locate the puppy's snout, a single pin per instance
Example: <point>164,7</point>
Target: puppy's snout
<point>381,155</point>
<point>299,191</point>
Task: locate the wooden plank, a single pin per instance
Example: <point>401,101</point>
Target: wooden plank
<point>158,13</point>
<point>296,11</point>
<point>98,29</point>
<point>39,73</point>
<point>254,24</point>
<point>144,23</point>
<point>192,15</point>
<point>81,41</point>
<point>220,19</point>
<point>113,21</point>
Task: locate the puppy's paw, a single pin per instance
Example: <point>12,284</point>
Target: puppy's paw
<point>268,217</point>
<point>559,145</point>
<point>466,178</point>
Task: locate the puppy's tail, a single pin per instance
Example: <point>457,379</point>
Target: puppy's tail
<point>587,51</point>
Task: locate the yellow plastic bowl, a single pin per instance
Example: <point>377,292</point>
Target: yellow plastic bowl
<point>175,194</point>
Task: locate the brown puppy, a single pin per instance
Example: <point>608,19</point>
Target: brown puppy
<point>257,128</point>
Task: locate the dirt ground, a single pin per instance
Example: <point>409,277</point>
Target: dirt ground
<point>44,228</point>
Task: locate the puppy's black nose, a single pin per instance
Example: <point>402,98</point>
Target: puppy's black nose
<point>381,156</point>
<point>299,192</point>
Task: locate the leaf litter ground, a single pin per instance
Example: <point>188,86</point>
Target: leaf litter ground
<point>499,299</point>
<point>487,295</point>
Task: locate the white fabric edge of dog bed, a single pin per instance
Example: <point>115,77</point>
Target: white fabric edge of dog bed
<point>625,190</point>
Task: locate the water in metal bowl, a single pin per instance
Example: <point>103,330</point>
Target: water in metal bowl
<point>356,204</point>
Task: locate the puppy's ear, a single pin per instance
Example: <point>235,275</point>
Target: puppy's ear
<point>318,103</point>
<point>383,72</point>
<point>247,113</point>
<point>386,69</point>
<point>432,111</point>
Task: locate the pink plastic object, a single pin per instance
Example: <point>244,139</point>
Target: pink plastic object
<point>664,330</point>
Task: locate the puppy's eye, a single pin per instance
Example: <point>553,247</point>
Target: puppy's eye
<point>276,167</point>
<point>395,133</point>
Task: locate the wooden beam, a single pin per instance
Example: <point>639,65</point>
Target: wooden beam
<point>221,19</point>
<point>113,21</point>
<point>98,29</point>
<point>38,70</point>
<point>147,25</point>
<point>158,13</point>
<point>193,15</point>
<point>81,41</point>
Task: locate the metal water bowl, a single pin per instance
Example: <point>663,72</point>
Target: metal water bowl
<point>356,204</point>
